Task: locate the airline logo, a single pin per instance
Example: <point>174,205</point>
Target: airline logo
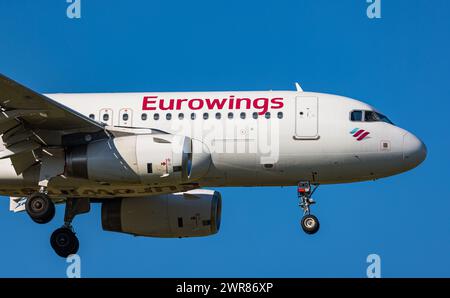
<point>359,134</point>
<point>261,104</point>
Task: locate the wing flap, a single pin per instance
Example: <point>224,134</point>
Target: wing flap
<point>17,148</point>
<point>23,161</point>
<point>7,125</point>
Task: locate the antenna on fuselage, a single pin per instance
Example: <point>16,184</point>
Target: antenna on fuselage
<point>298,87</point>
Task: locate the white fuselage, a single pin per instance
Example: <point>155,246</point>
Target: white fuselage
<point>305,136</point>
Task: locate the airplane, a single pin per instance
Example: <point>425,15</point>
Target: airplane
<point>150,159</point>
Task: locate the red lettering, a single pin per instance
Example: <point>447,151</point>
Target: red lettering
<point>263,107</point>
<point>179,101</point>
<point>231,102</point>
<point>215,102</point>
<point>248,103</point>
<point>163,108</point>
<point>191,104</point>
<point>146,102</point>
<point>262,104</point>
<point>277,103</point>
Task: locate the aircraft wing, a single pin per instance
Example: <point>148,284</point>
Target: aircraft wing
<point>30,121</point>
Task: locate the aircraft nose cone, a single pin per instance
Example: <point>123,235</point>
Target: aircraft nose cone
<point>414,150</point>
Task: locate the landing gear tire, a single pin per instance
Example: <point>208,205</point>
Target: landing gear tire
<point>40,208</point>
<point>310,224</point>
<point>64,242</point>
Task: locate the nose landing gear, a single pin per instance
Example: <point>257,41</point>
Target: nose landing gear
<point>310,224</point>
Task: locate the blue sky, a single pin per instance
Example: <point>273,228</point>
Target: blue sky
<point>399,64</point>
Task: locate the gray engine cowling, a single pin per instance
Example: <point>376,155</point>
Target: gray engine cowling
<point>146,159</point>
<point>194,213</point>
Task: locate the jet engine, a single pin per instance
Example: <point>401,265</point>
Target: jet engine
<point>147,159</point>
<point>190,214</point>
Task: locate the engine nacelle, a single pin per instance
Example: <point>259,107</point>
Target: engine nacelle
<point>190,214</point>
<point>148,159</point>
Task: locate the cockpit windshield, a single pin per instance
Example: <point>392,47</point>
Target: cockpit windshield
<point>368,116</point>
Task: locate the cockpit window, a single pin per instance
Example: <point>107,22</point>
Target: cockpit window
<point>385,119</point>
<point>368,116</point>
<point>356,116</point>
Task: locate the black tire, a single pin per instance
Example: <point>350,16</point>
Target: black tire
<point>64,242</point>
<point>40,208</point>
<point>310,224</point>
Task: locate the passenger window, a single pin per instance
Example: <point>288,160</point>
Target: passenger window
<point>267,115</point>
<point>168,116</point>
<point>218,115</point>
<point>205,116</point>
<point>230,115</point>
<point>193,116</point>
<point>105,117</point>
<point>156,116</point>
<point>243,115</point>
<point>356,116</point>
<point>144,116</point>
<point>280,115</point>
<point>181,116</point>
<point>124,117</point>
<point>255,115</point>
<point>92,116</point>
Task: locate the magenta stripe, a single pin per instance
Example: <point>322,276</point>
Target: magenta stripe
<point>363,136</point>
<point>358,133</point>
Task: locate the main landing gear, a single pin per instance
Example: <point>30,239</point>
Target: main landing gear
<point>41,209</point>
<point>63,240</point>
<point>310,223</point>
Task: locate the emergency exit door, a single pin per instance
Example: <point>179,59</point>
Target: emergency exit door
<point>106,116</point>
<point>125,117</point>
<point>307,117</point>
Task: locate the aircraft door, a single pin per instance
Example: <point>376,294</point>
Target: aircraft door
<point>106,116</point>
<point>125,117</point>
<point>307,118</point>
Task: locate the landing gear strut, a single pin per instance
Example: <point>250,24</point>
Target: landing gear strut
<point>63,240</point>
<point>40,207</point>
<point>310,223</point>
